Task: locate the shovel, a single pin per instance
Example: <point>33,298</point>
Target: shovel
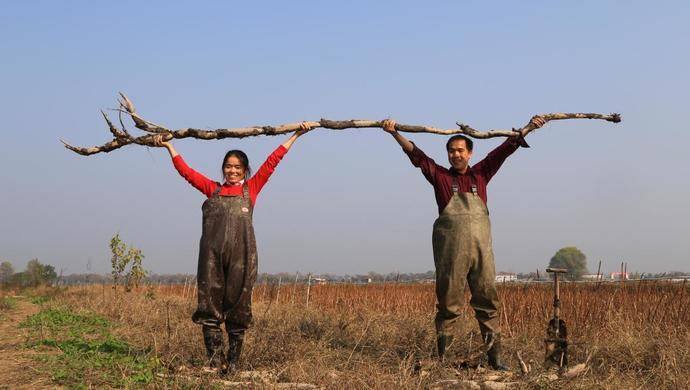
<point>556,342</point>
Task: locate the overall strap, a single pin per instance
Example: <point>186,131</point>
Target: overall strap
<point>217,190</point>
<point>245,196</point>
<point>456,184</point>
<point>473,180</point>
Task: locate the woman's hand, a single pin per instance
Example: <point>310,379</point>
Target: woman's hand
<point>158,142</point>
<point>304,128</point>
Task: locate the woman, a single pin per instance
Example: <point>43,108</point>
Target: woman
<point>227,251</point>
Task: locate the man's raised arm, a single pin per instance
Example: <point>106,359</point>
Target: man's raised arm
<point>389,127</point>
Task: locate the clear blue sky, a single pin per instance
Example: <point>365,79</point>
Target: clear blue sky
<point>347,202</point>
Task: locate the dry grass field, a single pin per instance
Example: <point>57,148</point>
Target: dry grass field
<point>377,336</point>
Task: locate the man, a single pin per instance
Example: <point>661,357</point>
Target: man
<point>462,235</point>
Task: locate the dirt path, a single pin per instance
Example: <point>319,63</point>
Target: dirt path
<point>17,368</point>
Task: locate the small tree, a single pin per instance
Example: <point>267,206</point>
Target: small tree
<point>48,274</point>
<point>6,272</point>
<point>37,273</point>
<point>34,272</point>
<point>122,257</point>
<point>571,259</point>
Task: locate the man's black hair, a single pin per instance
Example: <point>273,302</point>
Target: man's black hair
<point>459,137</point>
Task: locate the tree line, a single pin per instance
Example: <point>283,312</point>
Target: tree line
<point>36,274</point>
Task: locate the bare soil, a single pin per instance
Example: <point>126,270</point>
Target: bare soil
<point>19,370</point>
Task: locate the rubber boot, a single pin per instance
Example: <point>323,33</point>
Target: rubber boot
<point>235,341</point>
<point>493,342</point>
<point>443,341</point>
<point>213,340</point>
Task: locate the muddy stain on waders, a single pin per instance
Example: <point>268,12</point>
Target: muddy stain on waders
<point>227,262</point>
<point>463,254</point>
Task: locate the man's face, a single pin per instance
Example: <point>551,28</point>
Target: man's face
<point>458,155</point>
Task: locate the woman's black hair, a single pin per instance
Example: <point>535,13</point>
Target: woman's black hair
<point>244,160</point>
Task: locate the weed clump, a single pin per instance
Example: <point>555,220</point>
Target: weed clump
<point>79,349</point>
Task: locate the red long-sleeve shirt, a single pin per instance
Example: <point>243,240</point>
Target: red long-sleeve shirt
<point>208,186</point>
<point>442,178</point>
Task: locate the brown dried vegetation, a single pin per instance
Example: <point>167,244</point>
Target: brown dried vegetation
<point>375,336</point>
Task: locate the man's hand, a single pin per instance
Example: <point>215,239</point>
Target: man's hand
<point>537,121</point>
<point>304,127</point>
<point>389,126</point>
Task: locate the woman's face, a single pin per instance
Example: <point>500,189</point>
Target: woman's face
<point>233,170</point>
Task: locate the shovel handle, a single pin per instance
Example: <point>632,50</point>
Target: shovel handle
<point>556,290</point>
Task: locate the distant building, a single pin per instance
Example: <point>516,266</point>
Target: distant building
<point>319,280</point>
<point>619,276</point>
<point>506,277</point>
<point>592,276</point>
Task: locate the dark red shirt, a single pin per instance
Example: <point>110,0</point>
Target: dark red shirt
<point>442,178</point>
<point>208,186</point>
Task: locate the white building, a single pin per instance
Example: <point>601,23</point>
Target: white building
<point>592,276</point>
<point>505,277</point>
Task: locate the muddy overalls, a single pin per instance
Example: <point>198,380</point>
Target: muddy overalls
<point>226,272</point>
<point>463,253</point>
